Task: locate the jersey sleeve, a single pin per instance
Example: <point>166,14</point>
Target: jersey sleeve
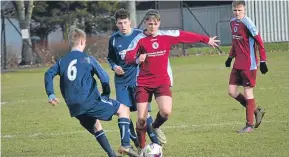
<point>179,36</point>
<point>254,32</point>
<point>111,57</point>
<point>232,53</point>
<point>102,75</point>
<point>49,76</point>
<point>131,52</point>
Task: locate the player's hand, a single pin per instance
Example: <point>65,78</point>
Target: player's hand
<point>53,101</point>
<point>228,62</point>
<point>213,42</point>
<point>142,58</point>
<point>263,67</point>
<point>118,70</point>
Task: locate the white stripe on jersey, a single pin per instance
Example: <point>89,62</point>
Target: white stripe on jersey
<point>174,33</point>
<point>113,42</point>
<point>170,72</point>
<point>134,42</point>
<point>108,102</point>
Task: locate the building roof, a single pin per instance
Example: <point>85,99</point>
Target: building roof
<point>6,5</point>
<point>172,4</point>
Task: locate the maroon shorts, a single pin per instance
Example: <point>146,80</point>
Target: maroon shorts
<point>145,94</point>
<point>246,78</point>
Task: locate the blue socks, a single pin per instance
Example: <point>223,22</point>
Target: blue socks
<point>133,135</point>
<point>102,140</point>
<point>123,124</point>
<point>150,131</point>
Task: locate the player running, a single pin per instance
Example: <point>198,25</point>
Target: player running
<point>244,39</point>
<point>79,90</point>
<point>151,50</point>
<point>125,74</point>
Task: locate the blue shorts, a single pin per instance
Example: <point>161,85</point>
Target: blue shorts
<point>126,96</point>
<point>103,110</point>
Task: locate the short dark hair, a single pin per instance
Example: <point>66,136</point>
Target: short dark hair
<point>237,3</point>
<point>122,14</point>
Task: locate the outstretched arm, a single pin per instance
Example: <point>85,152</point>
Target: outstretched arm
<point>179,36</point>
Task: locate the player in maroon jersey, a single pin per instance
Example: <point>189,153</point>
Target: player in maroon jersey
<point>153,47</point>
<point>245,38</point>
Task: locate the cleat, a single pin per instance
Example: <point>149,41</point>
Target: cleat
<point>128,151</point>
<point>246,129</point>
<point>259,114</point>
<point>160,135</point>
<point>116,155</point>
<point>140,152</point>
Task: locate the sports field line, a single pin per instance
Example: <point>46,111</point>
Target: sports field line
<point>181,126</point>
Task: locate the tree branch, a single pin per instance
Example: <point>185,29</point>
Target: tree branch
<point>29,12</point>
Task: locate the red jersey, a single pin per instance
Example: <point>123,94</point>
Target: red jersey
<point>244,39</point>
<point>154,71</point>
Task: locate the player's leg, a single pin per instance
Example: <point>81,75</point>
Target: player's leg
<point>165,109</point>
<point>102,139</point>
<point>92,125</point>
<point>164,100</point>
<point>234,82</point>
<point>250,107</point>
<point>133,108</point>
<point>252,110</point>
<point>123,124</point>
<point>143,98</point>
<point>150,131</point>
<point>105,110</point>
<point>249,82</point>
<point>125,96</point>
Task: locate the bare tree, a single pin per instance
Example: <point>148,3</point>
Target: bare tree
<point>24,13</point>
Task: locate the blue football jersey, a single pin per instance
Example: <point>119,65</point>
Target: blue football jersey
<point>77,84</point>
<point>118,43</point>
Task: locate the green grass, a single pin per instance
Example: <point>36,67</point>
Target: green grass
<point>203,123</point>
<point>269,47</point>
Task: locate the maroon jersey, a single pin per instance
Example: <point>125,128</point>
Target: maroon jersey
<point>155,70</point>
<point>244,39</point>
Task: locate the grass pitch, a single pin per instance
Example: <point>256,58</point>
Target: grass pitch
<point>203,123</point>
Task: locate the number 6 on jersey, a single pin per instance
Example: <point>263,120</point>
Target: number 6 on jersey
<point>72,71</point>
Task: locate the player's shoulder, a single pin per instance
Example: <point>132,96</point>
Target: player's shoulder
<point>247,21</point>
<point>139,36</point>
<point>169,32</point>
<point>233,19</point>
<point>65,58</point>
<point>90,58</point>
<point>135,33</point>
<point>114,35</point>
<point>135,30</point>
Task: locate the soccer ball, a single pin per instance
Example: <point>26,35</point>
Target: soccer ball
<point>153,150</point>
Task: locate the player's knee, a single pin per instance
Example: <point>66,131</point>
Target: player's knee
<point>141,122</point>
<point>166,114</point>
<point>232,94</point>
<point>248,93</point>
<point>123,111</point>
<point>97,126</point>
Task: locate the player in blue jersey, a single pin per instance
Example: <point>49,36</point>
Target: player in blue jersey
<point>79,90</point>
<point>125,75</point>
